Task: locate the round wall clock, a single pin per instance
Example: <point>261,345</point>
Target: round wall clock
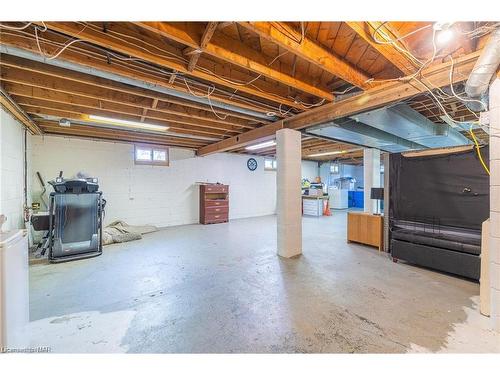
<point>252,164</point>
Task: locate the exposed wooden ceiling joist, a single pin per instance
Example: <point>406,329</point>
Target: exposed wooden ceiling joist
<point>110,42</point>
<point>55,89</point>
<point>10,105</point>
<point>343,156</point>
<point>84,57</point>
<point>41,75</point>
<point>233,52</point>
<point>312,146</point>
<point>370,99</point>
<point>81,111</point>
<point>308,50</point>
<point>205,38</point>
<point>228,54</point>
<point>396,57</point>
<point>116,135</point>
<point>63,100</point>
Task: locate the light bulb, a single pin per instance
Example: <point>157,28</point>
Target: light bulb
<point>444,36</point>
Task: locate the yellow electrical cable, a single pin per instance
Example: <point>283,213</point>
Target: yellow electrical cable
<point>479,151</point>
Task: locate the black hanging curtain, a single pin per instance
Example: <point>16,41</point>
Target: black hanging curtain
<point>447,189</point>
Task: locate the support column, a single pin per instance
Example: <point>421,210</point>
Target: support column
<point>371,176</point>
<point>289,200</point>
<point>494,245</point>
<point>386,162</point>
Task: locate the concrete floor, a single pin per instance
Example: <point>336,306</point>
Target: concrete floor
<point>221,288</point>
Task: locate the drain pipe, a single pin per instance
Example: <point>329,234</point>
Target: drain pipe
<point>485,67</point>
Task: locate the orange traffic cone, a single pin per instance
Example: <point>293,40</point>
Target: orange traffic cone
<point>326,211</point>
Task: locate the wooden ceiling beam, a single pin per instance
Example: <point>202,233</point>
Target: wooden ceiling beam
<point>308,50</point>
<point>99,61</point>
<point>376,97</point>
<point>114,135</point>
<point>64,80</point>
<point>233,52</point>
<point>89,106</point>
<point>341,157</point>
<point>39,107</point>
<point>58,90</point>
<point>94,103</point>
<point>207,35</point>
<point>144,112</point>
<point>108,41</point>
<point>327,147</point>
<point>11,106</point>
<point>396,57</point>
<point>97,132</point>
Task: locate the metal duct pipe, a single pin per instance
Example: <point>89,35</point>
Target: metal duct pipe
<point>487,64</point>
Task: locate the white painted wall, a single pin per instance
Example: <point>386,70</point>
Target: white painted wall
<point>355,171</point>
<point>310,169</point>
<point>161,196</point>
<point>11,170</point>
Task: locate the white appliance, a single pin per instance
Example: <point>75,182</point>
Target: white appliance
<point>339,198</point>
<point>14,292</point>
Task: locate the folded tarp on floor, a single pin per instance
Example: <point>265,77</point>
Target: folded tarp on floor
<point>119,231</point>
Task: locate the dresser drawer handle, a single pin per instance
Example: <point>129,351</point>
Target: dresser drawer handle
<point>217,209</point>
<point>217,216</point>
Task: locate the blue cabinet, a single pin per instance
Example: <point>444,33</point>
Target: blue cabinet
<point>355,198</point>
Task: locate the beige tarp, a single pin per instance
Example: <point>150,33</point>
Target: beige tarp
<point>119,231</point>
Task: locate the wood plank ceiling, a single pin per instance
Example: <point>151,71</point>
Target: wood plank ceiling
<point>208,81</point>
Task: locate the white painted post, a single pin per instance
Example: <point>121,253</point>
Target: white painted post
<point>494,245</point>
<point>289,200</point>
<point>371,171</point>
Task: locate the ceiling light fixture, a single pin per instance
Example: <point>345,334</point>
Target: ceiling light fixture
<point>327,153</point>
<point>126,123</point>
<point>261,145</point>
<point>444,32</point>
<point>444,36</point>
<point>64,122</point>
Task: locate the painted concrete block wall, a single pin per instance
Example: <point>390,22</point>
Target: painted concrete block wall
<point>11,170</point>
<point>161,196</point>
<point>310,169</point>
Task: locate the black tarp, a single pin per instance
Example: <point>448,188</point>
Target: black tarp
<point>447,189</point>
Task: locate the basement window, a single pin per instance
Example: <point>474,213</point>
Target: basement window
<point>151,155</point>
<point>334,168</point>
<point>270,164</point>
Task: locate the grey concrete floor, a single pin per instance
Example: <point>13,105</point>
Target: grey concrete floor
<point>222,288</point>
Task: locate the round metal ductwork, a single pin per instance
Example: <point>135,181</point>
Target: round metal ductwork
<point>484,69</point>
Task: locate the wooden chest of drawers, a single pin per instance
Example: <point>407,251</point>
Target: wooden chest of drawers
<point>214,203</point>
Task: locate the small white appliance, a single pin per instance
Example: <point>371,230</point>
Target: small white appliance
<point>14,292</point>
<point>339,198</point>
